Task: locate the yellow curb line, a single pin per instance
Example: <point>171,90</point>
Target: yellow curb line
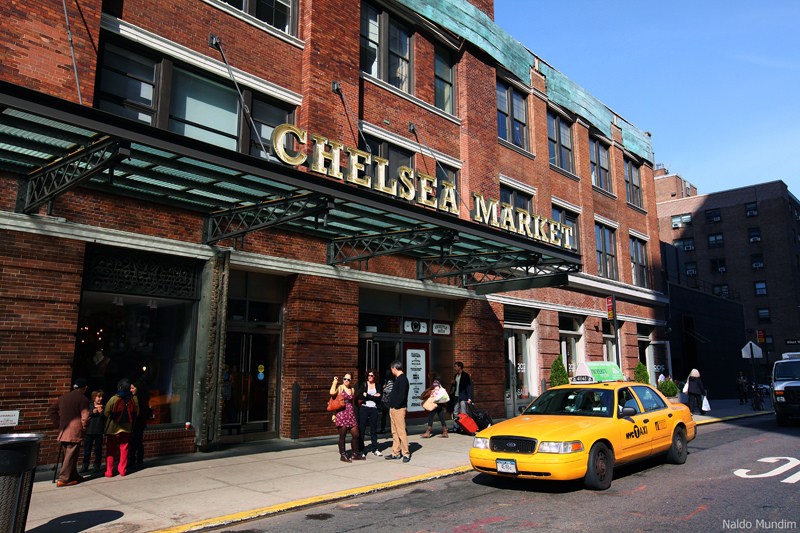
<point>733,417</point>
<point>307,502</point>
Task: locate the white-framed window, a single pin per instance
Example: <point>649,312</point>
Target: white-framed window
<point>444,79</point>
<point>569,333</point>
<point>606,245</point>
<point>386,47</point>
<point>598,157</point>
<point>633,183</point>
<point>512,115</point>
<point>639,268</point>
<point>559,136</point>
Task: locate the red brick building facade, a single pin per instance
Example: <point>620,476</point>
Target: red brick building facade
<point>440,194</point>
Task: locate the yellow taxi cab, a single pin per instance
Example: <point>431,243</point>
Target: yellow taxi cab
<point>583,430</point>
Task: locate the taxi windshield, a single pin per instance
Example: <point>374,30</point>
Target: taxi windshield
<point>573,402</point>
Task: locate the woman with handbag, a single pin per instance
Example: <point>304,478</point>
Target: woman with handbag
<point>440,397</point>
<point>345,418</point>
<point>369,397</point>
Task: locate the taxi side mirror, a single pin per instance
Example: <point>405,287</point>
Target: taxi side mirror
<point>627,411</point>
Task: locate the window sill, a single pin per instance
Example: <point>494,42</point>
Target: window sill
<point>516,148</point>
<point>637,208</point>
<point>604,192</point>
<point>565,172</point>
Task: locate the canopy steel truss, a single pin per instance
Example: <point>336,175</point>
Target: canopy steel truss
<point>491,268</point>
<point>362,248</point>
<point>66,173</point>
<point>232,223</point>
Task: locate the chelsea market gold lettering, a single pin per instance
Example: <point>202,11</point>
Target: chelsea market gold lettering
<point>370,171</point>
<point>326,159</point>
<point>518,220</point>
<point>483,213</point>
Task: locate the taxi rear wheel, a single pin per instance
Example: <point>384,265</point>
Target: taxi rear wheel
<point>600,468</point>
<point>678,451</point>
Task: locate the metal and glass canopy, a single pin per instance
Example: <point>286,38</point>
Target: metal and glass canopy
<point>53,146</point>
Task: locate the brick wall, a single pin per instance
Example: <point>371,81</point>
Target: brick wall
<point>40,279</point>
<point>320,341</point>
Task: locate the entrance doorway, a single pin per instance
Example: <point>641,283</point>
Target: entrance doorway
<point>249,382</point>
<point>520,384</point>
<point>376,351</point>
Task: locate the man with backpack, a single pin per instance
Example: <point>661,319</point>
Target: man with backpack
<point>121,410</point>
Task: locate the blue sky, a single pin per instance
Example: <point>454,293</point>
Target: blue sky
<point>717,84</point>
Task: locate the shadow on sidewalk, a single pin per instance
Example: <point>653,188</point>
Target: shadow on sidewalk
<point>75,522</point>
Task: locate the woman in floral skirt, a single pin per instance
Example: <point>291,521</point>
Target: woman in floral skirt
<point>345,419</point>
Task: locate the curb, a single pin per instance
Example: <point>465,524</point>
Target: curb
<point>310,502</point>
<point>734,417</point>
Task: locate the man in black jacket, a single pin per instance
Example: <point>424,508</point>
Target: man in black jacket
<point>398,405</point>
<point>461,390</point>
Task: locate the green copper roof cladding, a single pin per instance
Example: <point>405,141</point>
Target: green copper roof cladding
<point>470,23</point>
<point>569,94</point>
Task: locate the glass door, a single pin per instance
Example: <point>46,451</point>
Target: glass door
<point>378,352</point>
<point>249,382</point>
<point>519,378</point>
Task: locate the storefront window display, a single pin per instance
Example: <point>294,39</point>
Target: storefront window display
<point>147,340</point>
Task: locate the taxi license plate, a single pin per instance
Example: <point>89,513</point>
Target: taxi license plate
<point>506,466</point>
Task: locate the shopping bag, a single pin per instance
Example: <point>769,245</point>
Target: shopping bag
<point>706,405</point>
<point>686,388</point>
<point>429,404</point>
<point>442,397</point>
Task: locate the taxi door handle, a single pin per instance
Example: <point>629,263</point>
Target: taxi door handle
<point>670,415</point>
<point>646,420</point>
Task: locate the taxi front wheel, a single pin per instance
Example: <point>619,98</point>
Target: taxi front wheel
<point>600,468</point>
<point>678,451</point>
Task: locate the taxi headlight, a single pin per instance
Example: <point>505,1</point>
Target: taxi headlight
<point>572,446</point>
<point>480,442</point>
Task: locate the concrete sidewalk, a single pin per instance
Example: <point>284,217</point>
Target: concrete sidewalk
<point>245,481</point>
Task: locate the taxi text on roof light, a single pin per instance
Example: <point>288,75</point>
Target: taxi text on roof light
<point>597,371</point>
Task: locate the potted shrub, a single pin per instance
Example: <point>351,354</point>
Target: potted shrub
<point>669,389</point>
<point>640,374</point>
<point>558,374</point>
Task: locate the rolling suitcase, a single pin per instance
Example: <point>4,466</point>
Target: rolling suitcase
<point>465,424</point>
<point>481,417</point>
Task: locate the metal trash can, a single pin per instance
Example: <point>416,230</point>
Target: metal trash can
<point>18,455</point>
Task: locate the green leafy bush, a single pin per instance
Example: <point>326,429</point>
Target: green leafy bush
<point>668,388</point>
<point>558,374</point>
<point>640,374</point>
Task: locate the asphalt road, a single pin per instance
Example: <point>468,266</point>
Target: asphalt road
<point>739,476</point>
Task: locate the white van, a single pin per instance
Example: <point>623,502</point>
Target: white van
<point>786,387</point>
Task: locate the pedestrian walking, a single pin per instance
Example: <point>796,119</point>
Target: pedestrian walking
<point>741,387</point>
<point>345,419</point>
<point>398,405</point>
<point>388,383</point>
<point>436,394</point>
<point>461,391</point>
<point>70,414</point>
<point>369,396</point>
<point>696,391</point>
<point>121,410</point>
<point>136,446</point>
<point>94,432</point>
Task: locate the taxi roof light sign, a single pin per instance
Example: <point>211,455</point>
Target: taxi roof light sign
<point>597,371</point>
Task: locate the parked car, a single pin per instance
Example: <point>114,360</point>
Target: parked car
<point>582,431</point>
